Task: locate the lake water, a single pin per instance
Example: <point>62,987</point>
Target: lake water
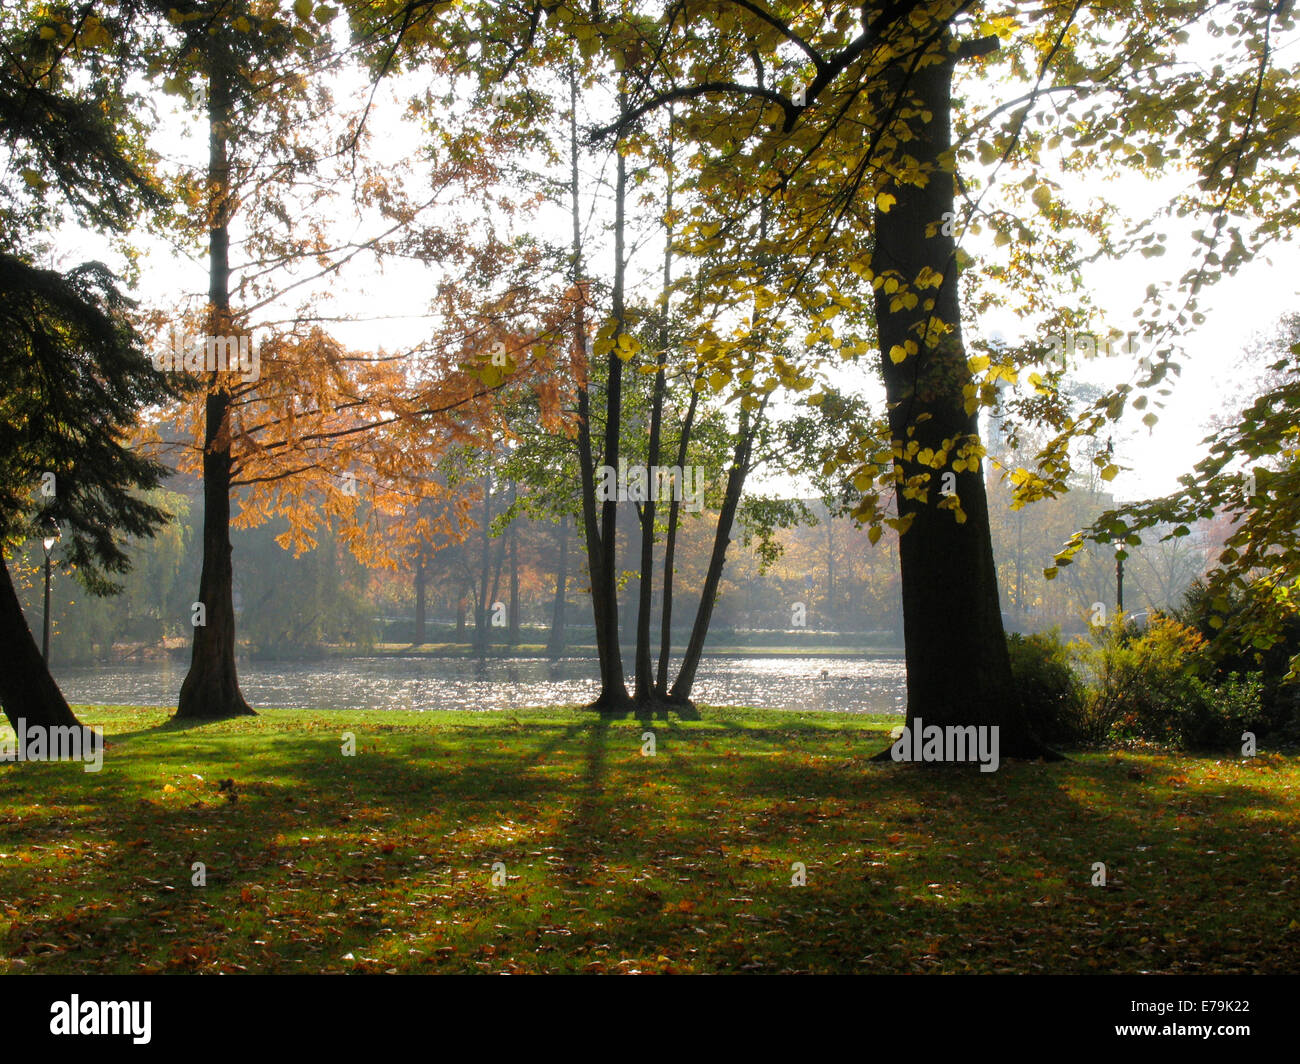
<point>850,685</point>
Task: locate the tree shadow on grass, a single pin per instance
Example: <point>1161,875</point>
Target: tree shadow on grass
<point>686,855</point>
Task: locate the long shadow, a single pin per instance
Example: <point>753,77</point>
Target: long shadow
<point>982,838</point>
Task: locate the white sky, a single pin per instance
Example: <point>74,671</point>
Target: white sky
<point>1235,309</point>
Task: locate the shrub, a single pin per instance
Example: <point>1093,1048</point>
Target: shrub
<point>1220,714</point>
<point>1050,692</point>
<point>1233,656</point>
<point>1137,682</point>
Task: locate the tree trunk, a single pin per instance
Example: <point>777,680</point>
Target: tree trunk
<point>493,601</point>
<point>211,687</point>
<point>958,667</point>
<point>421,603</point>
<point>514,574</point>
<point>645,679</point>
<point>681,690</point>
<point>555,644</point>
<point>485,571</point>
<point>830,568</point>
<point>670,554</point>
<point>27,690</point>
<point>613,694</point>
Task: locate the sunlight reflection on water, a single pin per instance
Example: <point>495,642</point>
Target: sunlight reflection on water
<point>836,684</point>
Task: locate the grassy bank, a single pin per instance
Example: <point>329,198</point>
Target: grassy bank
<point>619,862</point>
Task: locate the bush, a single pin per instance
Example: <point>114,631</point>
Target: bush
<point>1159,684</point>
<point>1233,656</point>
<point>1222,712</point>
<point>1050,693</point>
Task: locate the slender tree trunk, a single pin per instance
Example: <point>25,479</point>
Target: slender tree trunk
<point>493,600</point>
<point>613,695</point>
<point>645,679</point>
<point>830,568</point>
<point>670,554</point>
<point>681,690</point>
<point>555,644</point>
<point>610,661</point>
<point>27,690</point>
<point>421,603</point>
<point>211,687</point>
<point>485,571</point>
<point>514,573</point>
<point>645,685</point>
<point>958,667</point>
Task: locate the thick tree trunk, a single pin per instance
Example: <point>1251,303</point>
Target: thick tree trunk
<point>211,687</point>
<point>27,690</point>
<point>555,644</point>
<point>958,668</point>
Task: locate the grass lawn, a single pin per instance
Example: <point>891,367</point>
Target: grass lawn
<point>619,862</point>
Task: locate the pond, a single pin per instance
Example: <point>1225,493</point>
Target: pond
<point>875,684</point>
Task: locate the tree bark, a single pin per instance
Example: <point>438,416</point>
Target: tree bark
<point>670,554</point>
<point>958,667</point>
<point>613,694</point>
<point>681,690</point>
<point>555,643</point>
<point>211,687</point>
<point>421,601</point>
<point>27,690</point>
<point>645,679</point>
<point>514,573</point>
<point>485,571</point>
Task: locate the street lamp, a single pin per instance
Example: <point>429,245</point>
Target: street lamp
<point>1119,577</point>
<point>48,543</point>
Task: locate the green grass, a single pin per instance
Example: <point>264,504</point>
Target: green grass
<point>616,862</point>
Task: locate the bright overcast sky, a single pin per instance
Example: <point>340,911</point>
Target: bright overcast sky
<point>1235,309</point>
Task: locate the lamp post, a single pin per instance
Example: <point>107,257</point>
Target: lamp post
<point>1119,577</point>
<point>48,543</point>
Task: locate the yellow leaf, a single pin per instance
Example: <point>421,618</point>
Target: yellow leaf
<point>884,201</point>
<point>897,354</point>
